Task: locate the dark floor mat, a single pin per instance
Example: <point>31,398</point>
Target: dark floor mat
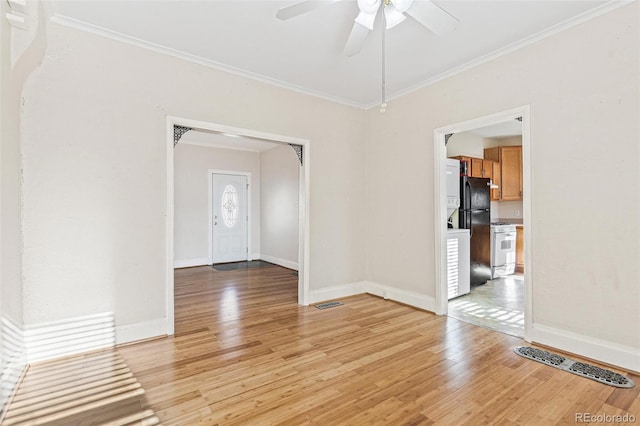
<point>234,266</point>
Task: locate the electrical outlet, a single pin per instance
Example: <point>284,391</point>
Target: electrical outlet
<point>516,213</point>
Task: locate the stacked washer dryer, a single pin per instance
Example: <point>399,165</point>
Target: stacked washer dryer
<point>458,246</point>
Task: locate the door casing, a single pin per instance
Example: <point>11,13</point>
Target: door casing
<point>304,188</point>
<point>440,204</point>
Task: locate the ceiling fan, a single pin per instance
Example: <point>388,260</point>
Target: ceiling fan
<point>424,11</point>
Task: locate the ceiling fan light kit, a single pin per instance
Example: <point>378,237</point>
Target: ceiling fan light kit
<point>393,16</point>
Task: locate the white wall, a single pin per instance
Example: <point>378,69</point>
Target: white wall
<point>279,172</point>
<point>466,143</point>
<point>191,198</point>
<point>506,209</point>
<point>20,53</point>
<point>583,90</point>
<point>95,171</point>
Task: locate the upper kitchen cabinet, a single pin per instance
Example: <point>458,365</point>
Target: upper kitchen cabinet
<point>497,181</point>
<point>510,181</point>
<point>478,167</point>
<point>511,165</point>
<point>482,168</point>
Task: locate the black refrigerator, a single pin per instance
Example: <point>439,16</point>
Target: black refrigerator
<point>475,214</point>
<point>475,203</point>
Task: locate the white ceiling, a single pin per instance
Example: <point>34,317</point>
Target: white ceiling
<point>226,141</point>
<point>306,52</point>
<point>500,130</point>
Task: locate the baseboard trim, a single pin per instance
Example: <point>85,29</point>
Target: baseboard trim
<point>14,362</point>
<point>141,331</point>
<point>336,292</point>
<point>189,263</point>
<point>278,261</point>
<point>615,354</point>
<point>10,385</point>
<point>416,300</point>
<point>70,336</point>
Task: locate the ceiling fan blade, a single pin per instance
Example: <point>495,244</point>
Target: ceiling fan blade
<point>356,40</point>
<point>301,8</point>
<point>432,17</point>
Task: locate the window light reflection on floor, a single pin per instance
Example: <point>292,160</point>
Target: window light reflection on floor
<point>502,319</point>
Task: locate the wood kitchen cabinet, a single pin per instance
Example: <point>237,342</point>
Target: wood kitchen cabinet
<point>510,160</point>
<point>496,179</point>
<point>486,169</point>
<point>520,249</point>
<point>466,160</point>
<point>477,167</point>
<point>511,170</point>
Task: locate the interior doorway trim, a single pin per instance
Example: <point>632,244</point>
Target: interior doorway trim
<point>440,224</point>
<point>304,187</point>
<point>210,174</point>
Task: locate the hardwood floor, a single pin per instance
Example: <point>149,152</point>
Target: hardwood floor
<point>245,353</point>
<point>87,389</point>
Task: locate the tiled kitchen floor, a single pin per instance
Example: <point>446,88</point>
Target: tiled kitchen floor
<point>498,304</point>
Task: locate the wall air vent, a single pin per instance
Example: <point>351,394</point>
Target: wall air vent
<point>17,18</point>
<point>18,5</point>
<point>17,21</point>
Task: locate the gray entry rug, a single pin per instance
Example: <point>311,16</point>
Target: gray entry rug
<point>580,368</point>
<point>234,266</point>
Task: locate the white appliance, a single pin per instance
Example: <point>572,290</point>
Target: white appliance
<point>503,249</point>
<point>453,185</point>
<point>458,262</point>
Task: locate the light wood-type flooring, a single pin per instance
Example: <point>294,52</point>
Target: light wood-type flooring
<point>86,389</point>
<point>246,353</point>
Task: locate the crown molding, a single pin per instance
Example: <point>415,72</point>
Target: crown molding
<point>114,35</point>
<point>534,38</point>
<point>569,23</point>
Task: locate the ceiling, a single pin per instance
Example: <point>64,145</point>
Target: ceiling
<point>306,52</point>
<point>500,130</point>
<point>226,141</point>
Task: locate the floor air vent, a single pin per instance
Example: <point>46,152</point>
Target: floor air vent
<point>581,369</point>
<point>328,305</point>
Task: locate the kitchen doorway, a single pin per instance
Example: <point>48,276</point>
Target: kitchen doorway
<point>497,296</point>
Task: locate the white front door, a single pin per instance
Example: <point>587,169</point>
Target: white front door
<point>229,218</point>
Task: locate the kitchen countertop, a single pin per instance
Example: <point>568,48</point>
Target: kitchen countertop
<point>514,221</point>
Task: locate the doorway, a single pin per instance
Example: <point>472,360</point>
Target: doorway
<point>229,216</point>
<point>176,127</point>
<point>511,290</point>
